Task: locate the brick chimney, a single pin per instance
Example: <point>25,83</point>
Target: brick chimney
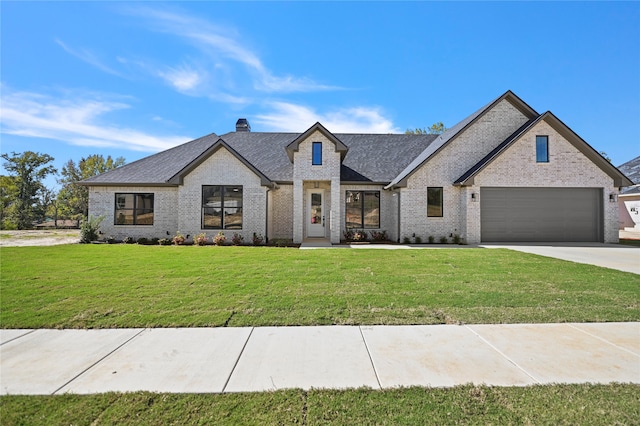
<point>242,125</point>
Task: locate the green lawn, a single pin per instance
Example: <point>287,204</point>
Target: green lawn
<point>553,405</point>
<point>100,286</point>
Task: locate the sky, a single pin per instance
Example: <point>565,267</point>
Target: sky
<point>134,78</point>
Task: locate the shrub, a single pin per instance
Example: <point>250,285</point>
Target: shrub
<point>219,239</point>
<point>129,240</point>
<point>178,239</point>
<point>379,235</point>
<point>418,239</point>
<point>200,239</point>
<point>443,240</point>
<point>89,229</point>
<point>237,239</point>
<point>432,239</point>
<point>164,241</point>
<point>257,239</point>
<point>456,239</point>
<point>406,240</point>
<point>143,241</point>
<point>109,239</point>
<point>348,235</point>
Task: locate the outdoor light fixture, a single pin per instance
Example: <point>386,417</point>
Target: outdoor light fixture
<point>474,196</point>
<point>613,198</point>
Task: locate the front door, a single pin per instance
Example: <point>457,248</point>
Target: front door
<point>315,213</point>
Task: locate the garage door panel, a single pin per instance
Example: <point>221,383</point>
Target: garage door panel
<point>541,214</point>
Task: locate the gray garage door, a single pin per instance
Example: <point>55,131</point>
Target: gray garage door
<point>541,214</point>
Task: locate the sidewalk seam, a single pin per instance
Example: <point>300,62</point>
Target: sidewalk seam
<point>98,361</point>
<point>20,336</point>
<point>503,354</point>
<point>603,339</point>
<point>224,388</point>
<point>370,358</point>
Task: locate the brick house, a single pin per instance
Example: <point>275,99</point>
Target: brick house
<point>504,173</point>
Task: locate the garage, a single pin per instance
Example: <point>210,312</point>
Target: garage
<point>541,215</point>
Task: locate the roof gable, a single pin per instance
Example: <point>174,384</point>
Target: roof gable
<point>295,145</point>
<point>618,177</point>
<point>452,133</point>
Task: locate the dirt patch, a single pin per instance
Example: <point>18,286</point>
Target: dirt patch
<point>48,237</point>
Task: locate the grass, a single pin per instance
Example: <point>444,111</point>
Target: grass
<point>634,243</point>
<point>468,404</point>
<point>103,286</point>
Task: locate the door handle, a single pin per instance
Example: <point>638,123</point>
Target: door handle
<point>323,221</point>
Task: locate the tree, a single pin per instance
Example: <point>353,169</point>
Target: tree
<point>435,129</point>
<point>73,199</point>
<point>29,170</point>
<point>605,156</point>
<point>8,195</point>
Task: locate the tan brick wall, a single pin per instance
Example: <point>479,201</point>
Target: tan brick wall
<point>447,166</point>
<point>102,203</point>
<point>222,168</point>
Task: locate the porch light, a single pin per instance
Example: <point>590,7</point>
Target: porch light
<point>474,196</point>
<point>613,197</point>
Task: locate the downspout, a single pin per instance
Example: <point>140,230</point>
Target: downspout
<point>398,192</point>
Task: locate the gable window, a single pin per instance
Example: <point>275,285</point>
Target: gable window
<point>362,209</point>
<point>133,209</point>
<point>542,149</point>
<point>316,154</point>
<point>434,202</point>
<point>221,206</point>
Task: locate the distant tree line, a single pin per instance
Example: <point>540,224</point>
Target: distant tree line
<point>24,199</point>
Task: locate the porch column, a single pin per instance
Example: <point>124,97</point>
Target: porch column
<point>298,211</point>
<point>336,211</point>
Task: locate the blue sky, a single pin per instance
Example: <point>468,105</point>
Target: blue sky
<point>130,79</point>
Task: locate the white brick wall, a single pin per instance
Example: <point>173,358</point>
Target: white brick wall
<point>222,168</point>
<point>102,203</point>
<point>447,166</point>
<point>281,213</point>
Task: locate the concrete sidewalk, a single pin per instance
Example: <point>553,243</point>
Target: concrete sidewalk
<point>269,358</point>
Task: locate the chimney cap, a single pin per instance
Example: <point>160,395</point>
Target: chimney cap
<point>242,125</point>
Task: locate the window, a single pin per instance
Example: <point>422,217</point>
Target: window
<point>363,209</point>
<point>221,207</point>
<point>542,149</point>
<point>434,202</point>
<point>316,154</point>
<point>133,209</point>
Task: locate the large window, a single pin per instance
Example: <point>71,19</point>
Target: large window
<point>434,202</point>
<point>133,209</point>
<point>542,149</point>
<point>363,209</point>
<point>316,154</point>
<point>221,207</point>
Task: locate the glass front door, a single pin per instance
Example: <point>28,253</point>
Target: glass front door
<point>315,215</point>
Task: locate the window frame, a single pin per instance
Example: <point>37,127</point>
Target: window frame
<point>542,139</point>
<point>223,225</point>
<point>135,210</point>
<point>316,153</point>
<point>363,194</point>
<point>441,201</point>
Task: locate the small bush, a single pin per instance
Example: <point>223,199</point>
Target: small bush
<point>89,229</point>
<point>406,240</point>
<point>348,235</point>
<point>178,239</point>
<point>443,240</point>
<point>379,235</point>
<point>129,240</point>
<point>237,239</point>
<point>418,239</point>
<point>219,239</point>
<point>456,239</point>
<point>143,241</point>
<point>200,239</point>
<point>109,239</point>
<point>164,241</point>
<point>431,239</point>
<point>257,239</point>
<point>280,242</point>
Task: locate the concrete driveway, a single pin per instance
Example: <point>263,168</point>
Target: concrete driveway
<point>614,256</point>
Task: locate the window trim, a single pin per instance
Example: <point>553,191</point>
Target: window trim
<point>441,201</point>
<point>316,153</point>
<point>223,226</point>
<point>135,209</point>
<point>362,209</point>
<point>539,140</point>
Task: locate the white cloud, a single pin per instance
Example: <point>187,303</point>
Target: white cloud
<point>88,57</point>
<point>289,117</point>
<point>75,120</point>
<point>182,78</point>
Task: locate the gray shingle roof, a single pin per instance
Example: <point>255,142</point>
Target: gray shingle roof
<point>632,170</point>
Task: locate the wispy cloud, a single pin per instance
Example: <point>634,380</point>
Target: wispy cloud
<point>88,57</point>
<point>183,78</point>
<point>75,120</point>
<point>289,117</point>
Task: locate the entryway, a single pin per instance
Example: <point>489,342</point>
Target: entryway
<point>315,215</point>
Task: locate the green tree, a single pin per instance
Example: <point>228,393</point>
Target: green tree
<point>435,129</point>
<point>8,195</point>
<point>73,199</point>
<point>28,169</point>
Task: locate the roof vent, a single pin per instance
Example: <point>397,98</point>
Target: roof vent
<point>242,125</point>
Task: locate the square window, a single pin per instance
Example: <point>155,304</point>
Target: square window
<point>221,207</point>
<point>542,149</point>
<point>316,154</point>
<point>133,209</point>
<point>434,202</point>
<point>362,209</point>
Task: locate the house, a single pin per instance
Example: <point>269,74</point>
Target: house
<point>629,198</point>
<point>504,173</point>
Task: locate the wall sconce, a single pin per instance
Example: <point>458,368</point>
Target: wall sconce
<point>613,198</point>
<point>474,196</point>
